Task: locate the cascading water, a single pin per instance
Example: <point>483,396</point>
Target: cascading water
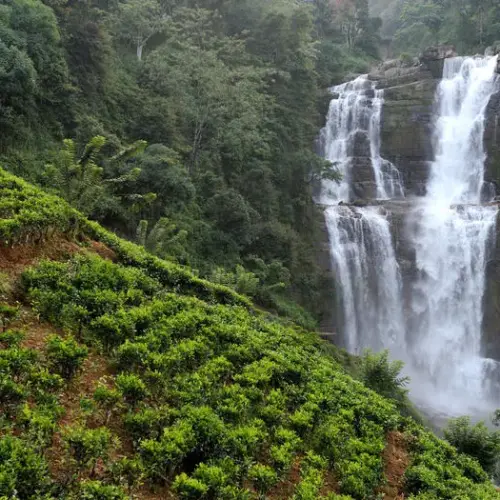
<point>368,275</point>
<point>453,236</point>
<point>440,338</point>
<point>353,120</point>
<point>361,243</point>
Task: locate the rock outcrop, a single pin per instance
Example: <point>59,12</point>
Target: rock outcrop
<point>406,128</point>
<point>491,319</point>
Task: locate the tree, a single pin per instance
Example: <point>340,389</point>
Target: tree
<point>427,12</point>
<point>384,376</point>
<point>98,187</point>
<point>475,440</point>
<point>138,20</point>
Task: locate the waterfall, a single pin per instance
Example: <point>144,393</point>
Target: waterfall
<point>353,131</point>
<point>452,240</point>
<point>368,276</point>
<point>437,332</point>
<point>361,247</point>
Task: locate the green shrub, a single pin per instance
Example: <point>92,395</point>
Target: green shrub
<point>132,355</point>
<point>95,490</point>
<point>8,314</point>
<point>128,472</point>
<point>263,478</point>
<point>65,356</point>
<point>87,446</point>
<point>477,441</point>
<point>23,472</point>
<point>11,394</point>
<point>383,376</point>
<point>12,338</point>
<point>148,423</point>
<point>189,487</point>
<point>131,387</point>
<point>39,425</point>
<point>108,401</point>
<point>163,457</point>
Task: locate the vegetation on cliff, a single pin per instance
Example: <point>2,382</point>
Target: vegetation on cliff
<point>126,376</point>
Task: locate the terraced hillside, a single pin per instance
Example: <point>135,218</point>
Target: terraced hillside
<point>125,376</point>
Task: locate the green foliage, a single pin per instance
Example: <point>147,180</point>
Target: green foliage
<point>222,400</point>
<point>131,387</point>
<point>12,338</point>
<point>263,478</point>
<point>227,94</point>
<point>95,490</point>
<point>23,472</point>
<point>108,401</point>
<point>311,471</point>
<point>439,471</point>
<point>470,25</point>
<point>65,356</point>
<point>8,314</point>
<point>129,472</point>
<point>476,441</point>
<point>87,446</point>
<point>384,376</point>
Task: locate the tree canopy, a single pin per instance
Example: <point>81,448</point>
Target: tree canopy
<point>226,98</point>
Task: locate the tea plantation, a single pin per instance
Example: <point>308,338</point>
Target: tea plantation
<point>126,376</point>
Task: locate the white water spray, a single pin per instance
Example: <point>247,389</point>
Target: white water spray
<point>453,236</point>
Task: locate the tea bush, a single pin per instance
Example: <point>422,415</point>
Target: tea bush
<point>65,356</point>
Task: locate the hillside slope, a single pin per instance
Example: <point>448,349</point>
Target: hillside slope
<point>125,376</point>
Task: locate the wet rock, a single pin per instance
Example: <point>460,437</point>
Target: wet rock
<point>361,144</point>
<point>438,52</point>
<point>433,58</point>
<point>493,50</point>
<point>363,178</point>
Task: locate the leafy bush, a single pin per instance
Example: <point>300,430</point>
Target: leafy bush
<point>129,472</point>
<point>263,478</point>
<point>95,490</point>
<point>23,472</point>
<point>214,390</point>
<point>384,376</point>
<point>8,314</point>
<point>66,356</point>
<point>108,400</point>
<point>87,446</point>
<point>189,487</point>
<point>12,338</point>
<point>477,441</point>
<point>163,457</point>
<point>131,387</point>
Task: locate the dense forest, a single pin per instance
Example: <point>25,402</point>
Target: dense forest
<point>187,126</point>
<point>469,25</point>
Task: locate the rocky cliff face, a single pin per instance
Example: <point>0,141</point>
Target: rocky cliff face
<point>406,131</point>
